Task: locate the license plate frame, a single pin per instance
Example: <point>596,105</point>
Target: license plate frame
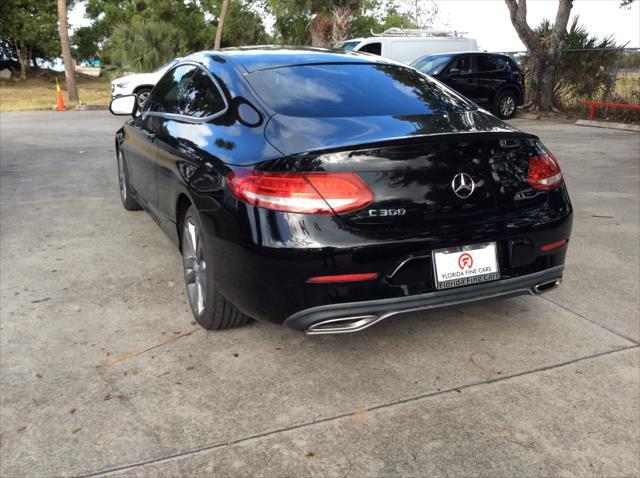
<point>483,255</point>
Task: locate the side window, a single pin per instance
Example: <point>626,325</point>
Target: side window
<point>461,65</point>
<point>512,66</point>
<point>375,48</point>
<point>166,96</point>
<point>501,63</point>
<point>486,63</point>
<point>202,98</point>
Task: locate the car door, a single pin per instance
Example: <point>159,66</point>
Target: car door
<point>140,158</point>
<point>490,74</point>
<point>183,140</point>
<point>164,99</point>
<point>459,76</point>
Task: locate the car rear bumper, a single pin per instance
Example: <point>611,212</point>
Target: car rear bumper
<point>264,266</point>
<point>357,316</point>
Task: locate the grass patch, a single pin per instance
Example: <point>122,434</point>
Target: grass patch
<point>39,93</point>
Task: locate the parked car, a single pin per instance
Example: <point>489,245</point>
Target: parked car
<point>406,46</point>
<point>327,191</point>
<point>139,84</point>
<point>486,78</point>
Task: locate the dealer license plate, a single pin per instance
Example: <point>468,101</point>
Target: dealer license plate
<point>465,265</point>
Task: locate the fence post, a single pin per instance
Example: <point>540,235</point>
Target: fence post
<point>614,79</point>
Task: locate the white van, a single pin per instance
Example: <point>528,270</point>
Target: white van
<point>408,45</point>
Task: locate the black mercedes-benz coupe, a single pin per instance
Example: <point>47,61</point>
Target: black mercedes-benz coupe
<point>328,191</point>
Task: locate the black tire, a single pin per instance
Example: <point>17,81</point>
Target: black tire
<point>126,193</point>
<point>142,95</point>
<point>506,104</point>
<point>214,312</point>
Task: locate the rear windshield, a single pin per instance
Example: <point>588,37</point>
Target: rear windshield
<point>344,90</point>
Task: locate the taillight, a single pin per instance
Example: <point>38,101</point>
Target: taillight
<point>308,193</point>
<point>544,172</point>
<point>343,278</point>
<point>553,245</point>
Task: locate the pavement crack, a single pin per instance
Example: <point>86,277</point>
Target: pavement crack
<point>381,406</point>
<point>603,327</point>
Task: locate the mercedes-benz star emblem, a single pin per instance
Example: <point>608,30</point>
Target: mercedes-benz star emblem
<point>462,185</point>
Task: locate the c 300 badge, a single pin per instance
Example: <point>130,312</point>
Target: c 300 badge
<point>387,212</point>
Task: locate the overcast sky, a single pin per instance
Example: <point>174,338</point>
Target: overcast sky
<point>488,20</point>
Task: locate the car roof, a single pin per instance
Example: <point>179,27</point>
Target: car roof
<point>456,53</point>
<point>253,59</point>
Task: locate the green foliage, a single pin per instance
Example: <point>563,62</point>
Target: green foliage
<point>196,21</point>
<point>243,26</point>
<point>585,74</point>
<point>31,27</point>
<point>187,16</point>
<point>377,18</point>
<point>144,45</point>
<point>292,17</point>
<point>85,43</point>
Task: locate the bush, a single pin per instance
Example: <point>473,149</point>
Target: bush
<point>144,45</point>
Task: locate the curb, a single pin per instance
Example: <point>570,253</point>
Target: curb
<point>604,124</point>
<point>527,116</point>
<point>82,107</point>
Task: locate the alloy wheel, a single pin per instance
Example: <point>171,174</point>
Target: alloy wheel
<point>142,97</point>
<point>507,106</point>
<point>195,266</point>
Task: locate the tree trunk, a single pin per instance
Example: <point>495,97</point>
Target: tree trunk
<point>548,86</point>
<point>341,24</point>
<point>223,14</point>
<point>69,68</point>
<point>544,59</point>
<point>320,28</point>
<point>23,63</point>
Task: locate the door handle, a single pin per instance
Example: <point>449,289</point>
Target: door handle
<point>151,136</point>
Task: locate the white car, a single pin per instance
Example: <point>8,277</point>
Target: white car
<point>139,84</point>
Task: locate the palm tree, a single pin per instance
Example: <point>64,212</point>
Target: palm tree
<point>69,69</point>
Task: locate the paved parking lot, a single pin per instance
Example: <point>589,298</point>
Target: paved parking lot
<point>103,371</point>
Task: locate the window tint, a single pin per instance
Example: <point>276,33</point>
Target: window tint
<point>501,63</point>
<point>349,45</point>
<point>431,65</point>
<point>169,90</point>
<point>512,65</point>
<point>375,48</point>
<point>462,64</point>
<point>202,98</point>
<point>348,90</point>
<point>489,63</point>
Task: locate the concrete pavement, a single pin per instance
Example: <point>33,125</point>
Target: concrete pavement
<point>528,386</point>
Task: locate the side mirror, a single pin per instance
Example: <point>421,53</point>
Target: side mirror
<point>453,71</point>
<point>124,105</point>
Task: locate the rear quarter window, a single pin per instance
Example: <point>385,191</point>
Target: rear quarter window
<point>351,90</point>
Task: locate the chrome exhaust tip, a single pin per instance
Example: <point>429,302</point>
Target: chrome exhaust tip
<point>342,325</point>
<point>546,286</point>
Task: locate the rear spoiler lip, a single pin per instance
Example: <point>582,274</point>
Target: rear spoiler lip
<point>419,138</point>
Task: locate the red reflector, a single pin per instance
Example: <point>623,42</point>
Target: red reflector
<point>309,193</point>
<point>553,245</point>
<point>343,278</point>
<point>544,172</point>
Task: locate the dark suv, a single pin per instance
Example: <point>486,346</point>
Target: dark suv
<point>486,78</point>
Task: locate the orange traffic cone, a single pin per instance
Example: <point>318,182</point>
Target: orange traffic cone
<point>59,100</point>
